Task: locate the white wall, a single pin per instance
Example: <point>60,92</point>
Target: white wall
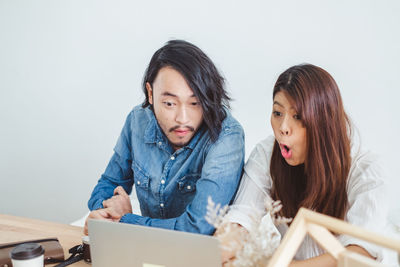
<point>70,71</point>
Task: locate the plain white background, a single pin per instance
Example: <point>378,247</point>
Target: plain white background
<point>70,71</point>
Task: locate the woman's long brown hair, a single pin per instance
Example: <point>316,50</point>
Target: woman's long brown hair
<point>320,183</point>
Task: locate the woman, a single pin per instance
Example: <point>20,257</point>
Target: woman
<point>311,162</point>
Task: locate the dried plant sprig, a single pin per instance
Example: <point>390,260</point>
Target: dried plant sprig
<point>255,247</point>
<point>215,214</point>
<point>273,208</point>
<point>263,237</point>
<point>224,233</point>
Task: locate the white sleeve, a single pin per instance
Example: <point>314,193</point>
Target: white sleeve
<point>366,195</point>
<point>254,187</point>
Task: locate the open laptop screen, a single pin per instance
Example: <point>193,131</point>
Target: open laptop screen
<point>120,244</point>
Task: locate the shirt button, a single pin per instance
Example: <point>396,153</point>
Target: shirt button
<point>162,205</point>
<point>159,143</point>
<point>138,183</point>
<point>172,158</point>
<point>163,181</point>
<point>188,187</point>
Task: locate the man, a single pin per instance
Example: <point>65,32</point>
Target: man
<point>178,148</point>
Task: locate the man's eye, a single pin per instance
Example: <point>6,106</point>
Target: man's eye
<point>168,104</point>
<point>276,113</point>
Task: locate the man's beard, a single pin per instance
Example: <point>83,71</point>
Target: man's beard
<point>181,144</point>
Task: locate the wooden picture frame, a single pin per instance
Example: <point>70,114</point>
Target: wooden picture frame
<point>318,226</point>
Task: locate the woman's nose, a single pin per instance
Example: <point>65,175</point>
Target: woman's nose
<point>285,127</point>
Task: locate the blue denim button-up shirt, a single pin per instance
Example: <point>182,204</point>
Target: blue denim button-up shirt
<point>172,186</point>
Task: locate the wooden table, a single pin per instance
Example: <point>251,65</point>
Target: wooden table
<point>13,229</point>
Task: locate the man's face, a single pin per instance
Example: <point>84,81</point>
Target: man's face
<point>176,108</point>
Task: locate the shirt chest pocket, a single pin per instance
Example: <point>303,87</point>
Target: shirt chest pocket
<point>141,178</point>
<point>187,184</point>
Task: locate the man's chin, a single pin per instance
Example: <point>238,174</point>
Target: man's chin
<point>179,144</point>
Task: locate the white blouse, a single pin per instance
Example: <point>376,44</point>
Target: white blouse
<point>365,196</point>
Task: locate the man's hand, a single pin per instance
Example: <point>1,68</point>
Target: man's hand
<point>119,204</point>
<point>100,214</point>
<point>114,208</point>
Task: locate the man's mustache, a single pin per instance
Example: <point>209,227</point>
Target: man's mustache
<point>190,128</point>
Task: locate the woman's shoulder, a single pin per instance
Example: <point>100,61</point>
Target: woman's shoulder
<point>264,148</point>
<point>260,157</point>
<point>365,170</point>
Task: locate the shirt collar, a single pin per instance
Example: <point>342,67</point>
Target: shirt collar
<point>153,133</point>
<point>196,137</point>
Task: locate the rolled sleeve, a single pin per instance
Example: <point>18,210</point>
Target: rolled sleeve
<point>367,207</point>
<point>118,171</point>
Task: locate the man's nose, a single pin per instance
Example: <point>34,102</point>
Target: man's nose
<point>182,115</point>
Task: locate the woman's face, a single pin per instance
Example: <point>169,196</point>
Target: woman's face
<point>288,129</point>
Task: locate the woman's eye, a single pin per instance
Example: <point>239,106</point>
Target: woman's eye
<point>276,113</point>
<point>297,117</point>
<point>195,103</point>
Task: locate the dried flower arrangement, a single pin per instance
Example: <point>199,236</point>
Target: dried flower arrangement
<point>255,247</point>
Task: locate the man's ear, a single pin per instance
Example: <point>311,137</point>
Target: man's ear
<point>149,93</point>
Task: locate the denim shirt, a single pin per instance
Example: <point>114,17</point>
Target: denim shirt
<point>172,186</point>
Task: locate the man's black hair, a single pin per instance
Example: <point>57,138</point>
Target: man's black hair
<point>201,75</point>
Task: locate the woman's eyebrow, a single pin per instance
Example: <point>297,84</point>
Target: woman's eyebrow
<point>279,104</point>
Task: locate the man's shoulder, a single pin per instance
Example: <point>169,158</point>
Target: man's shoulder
<point>139,115</point>
<point>139,111</point>
<point>138,120</point>
<point>231,125</point>
<point>231,133</point>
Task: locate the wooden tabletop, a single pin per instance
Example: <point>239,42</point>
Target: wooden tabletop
<point>14,229</point>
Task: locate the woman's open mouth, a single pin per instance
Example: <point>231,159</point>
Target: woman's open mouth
<point>286,151</point>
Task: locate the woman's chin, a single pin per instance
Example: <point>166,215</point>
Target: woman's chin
<point>293,162</point>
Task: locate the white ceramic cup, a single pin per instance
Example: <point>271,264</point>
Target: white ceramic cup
<point>27,255</point>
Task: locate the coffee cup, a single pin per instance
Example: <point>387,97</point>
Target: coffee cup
<point>27,255</point>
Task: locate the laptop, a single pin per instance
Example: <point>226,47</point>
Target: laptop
<point>121,244</point>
